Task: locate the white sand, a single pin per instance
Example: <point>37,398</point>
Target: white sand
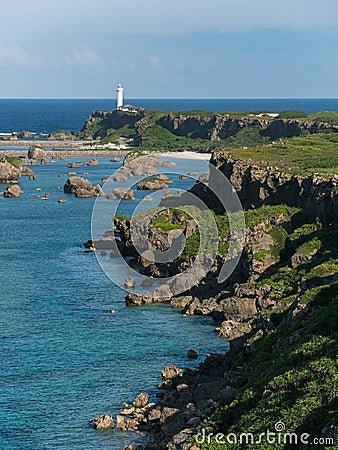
<point>186,155</point>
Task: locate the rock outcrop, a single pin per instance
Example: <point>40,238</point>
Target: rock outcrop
<point>8,173</point>
<point>82,188</point>
<point>13,191</point>
<point>217,127</point>
<point>37,153</point>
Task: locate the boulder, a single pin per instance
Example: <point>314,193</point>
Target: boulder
<point>24,135</point>
<point>141,400</point>
<point>102,422</point>
<point>147,198</point>
<point>151,184</point>
<point>62,200</point>
<point>122,174</point>
<point>13,191</point>
<point>124,193</point>
<point>30,162</point>
<point>93,162</point>
<point>26,171</point>
<point>129,283</point>
<point>165,178</point>
<point>81,188</point>
<point>171,372</point>
<point>168,164</point>
<point>37,153</point>
<point>74,165</point>
<point>8,173</point>
<point>192,354</point>
<point>115,160</point>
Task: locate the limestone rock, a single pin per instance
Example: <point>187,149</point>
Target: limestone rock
<point>13,191</point>
<point>37,153</point>
<point>124,193</point>
<point>8,173</point>
<point>151,184</point>
<point>102,422</point>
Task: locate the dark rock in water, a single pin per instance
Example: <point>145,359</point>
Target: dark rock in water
<point>62,200</point>
<point>13,191</point>
<point>102,422</point>
<point>32,177</point>
<point>115,160</point>
<point>192,354</point>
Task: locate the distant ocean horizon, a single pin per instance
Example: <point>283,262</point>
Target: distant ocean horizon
<point>47,115</point>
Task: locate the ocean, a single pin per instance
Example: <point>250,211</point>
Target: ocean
<point>64,358</point>
<point>45,116</point>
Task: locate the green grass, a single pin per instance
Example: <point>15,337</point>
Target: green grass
<point>303,155</point>
<point>16,162</point>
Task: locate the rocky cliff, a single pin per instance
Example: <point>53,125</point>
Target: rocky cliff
<point>218,127</point>
<point>261,184</point>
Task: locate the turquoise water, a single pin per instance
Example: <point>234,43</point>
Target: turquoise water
<point>64,359</point>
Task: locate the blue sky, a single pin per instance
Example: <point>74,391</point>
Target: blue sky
<point>176,49</point>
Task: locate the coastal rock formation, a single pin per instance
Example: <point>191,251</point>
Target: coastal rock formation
<point>257,185</point>
<point>124,193</point>
<point>103,422</point>
<point>26,172</point>
<point>24,135</point>
<point>37,153</point>
<point>93,162</point>
<point>13,191</point>
<point>217,127</point>
<point>151,184</point>
<point>8,173</point>
<point>82,188</point>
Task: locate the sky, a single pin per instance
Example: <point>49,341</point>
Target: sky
<point>169,49</point>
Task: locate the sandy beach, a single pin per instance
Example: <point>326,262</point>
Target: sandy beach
<point>185,155</point>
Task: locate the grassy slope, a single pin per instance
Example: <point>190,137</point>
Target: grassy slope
<point>302,155</point>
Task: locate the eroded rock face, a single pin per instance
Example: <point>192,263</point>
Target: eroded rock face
<point>8,173</point>
<point>82,188</point>
<point>256,186</point>
<point>37,153</point>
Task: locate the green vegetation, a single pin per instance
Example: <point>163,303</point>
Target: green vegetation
<point>315,153</point>
<point>292,114</point>
<point>16,162</point>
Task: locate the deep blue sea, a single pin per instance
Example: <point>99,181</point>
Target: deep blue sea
<point>45,116</point>
<point>64,359</point>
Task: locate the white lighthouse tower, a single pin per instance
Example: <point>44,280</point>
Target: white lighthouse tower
<point>119,91</point>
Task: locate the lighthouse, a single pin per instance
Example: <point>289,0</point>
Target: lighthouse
<point>119,91</point>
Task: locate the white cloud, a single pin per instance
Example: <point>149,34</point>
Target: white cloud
<point>14,54</point>
<point>82,55</point>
